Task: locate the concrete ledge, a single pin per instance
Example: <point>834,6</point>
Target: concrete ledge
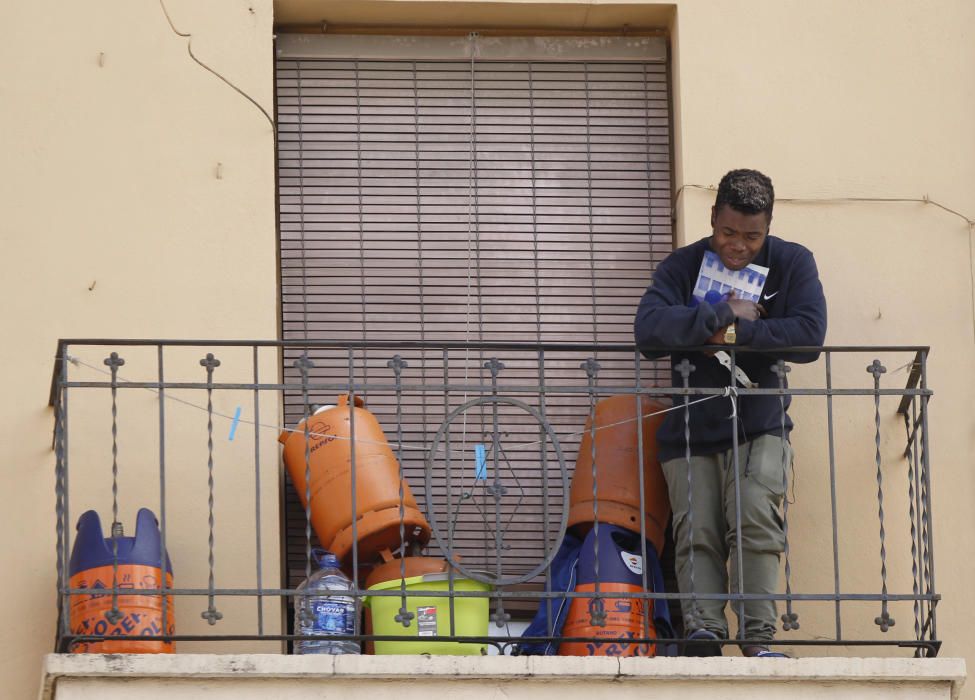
<point>564,678</point>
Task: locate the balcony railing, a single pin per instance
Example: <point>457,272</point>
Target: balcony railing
<point>486,437</point>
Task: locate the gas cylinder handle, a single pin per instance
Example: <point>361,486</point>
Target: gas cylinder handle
<point>344,401</point>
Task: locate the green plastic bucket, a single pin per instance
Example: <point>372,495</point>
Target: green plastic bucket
<point>431,616</point>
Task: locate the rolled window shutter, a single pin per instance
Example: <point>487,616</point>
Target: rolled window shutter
<point>421,200</point>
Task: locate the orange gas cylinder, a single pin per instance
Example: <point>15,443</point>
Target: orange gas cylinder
<point>617,467</point>
<point>377,507</point>
<point>620,571</point>
<point>128,564</point>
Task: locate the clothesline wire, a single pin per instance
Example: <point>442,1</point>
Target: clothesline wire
<point>79,362</point>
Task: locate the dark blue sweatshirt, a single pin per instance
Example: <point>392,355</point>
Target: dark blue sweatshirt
<point>793,297</point>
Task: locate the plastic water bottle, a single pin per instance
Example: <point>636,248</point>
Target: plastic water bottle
<point>331,613</point>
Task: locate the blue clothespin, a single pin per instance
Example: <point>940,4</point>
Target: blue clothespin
<point>480,463</point>
<point>233,424</point>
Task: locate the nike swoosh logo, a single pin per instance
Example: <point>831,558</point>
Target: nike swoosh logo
<point>766,297</point>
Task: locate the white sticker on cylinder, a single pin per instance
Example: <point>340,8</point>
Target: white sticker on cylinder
<point>633,562</point>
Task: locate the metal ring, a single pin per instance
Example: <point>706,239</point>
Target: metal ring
<point>428,481</point>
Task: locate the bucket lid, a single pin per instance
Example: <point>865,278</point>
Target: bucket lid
<point>408,567</point>
<point>92,549</point>
<point>428,578</point>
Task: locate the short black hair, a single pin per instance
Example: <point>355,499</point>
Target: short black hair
<point>746,191</point>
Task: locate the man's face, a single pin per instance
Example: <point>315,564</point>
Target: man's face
<point>736,237</point>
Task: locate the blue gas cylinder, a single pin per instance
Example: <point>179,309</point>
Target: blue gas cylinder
<point>621,563</point>
<point>93,566</point>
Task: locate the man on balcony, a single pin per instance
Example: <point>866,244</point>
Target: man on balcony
<point>695,299</point>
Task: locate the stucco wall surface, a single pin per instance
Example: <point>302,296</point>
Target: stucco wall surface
<point>838,101</point>
<point>139,202</point>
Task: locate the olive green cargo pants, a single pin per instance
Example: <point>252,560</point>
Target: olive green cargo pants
<point>705,525</point>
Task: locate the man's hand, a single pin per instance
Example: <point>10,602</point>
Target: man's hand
<point>748,310</point>
<point>718,338</point>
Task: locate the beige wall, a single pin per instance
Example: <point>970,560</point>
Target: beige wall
<point>116,224</point>
<point>868,100</point>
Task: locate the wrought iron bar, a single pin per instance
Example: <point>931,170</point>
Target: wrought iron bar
<point>931,647</point>
<point>597,608</point>
<point>790,619</point>
<point>691,611</point>
<point>884,620</point>
<point>499,616</point>
<point>912,495</point>
<point>163,557</point>
<point>832,493</point>
<point>493,346</point>
<point>258,522</point>
<point>510,388</point>
<point>644,569</point>
<point>398,364</point>
<point>927,534</point>
<point>59,526</point>
<point>65,518</point>
<point>353,466</point>
<point>528,594</point>
<point>114,614</point>
<point>736,467</point>
<point>303,364</point>
<point>211,614</point>
<point>543,461</point>
<point>454,512</point>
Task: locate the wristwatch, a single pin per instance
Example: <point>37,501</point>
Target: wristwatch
<point>730,335</point>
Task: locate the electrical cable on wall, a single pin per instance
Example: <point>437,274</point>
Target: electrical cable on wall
<point>189,49</point>
<point>828,200</point>
<point>875,200</point>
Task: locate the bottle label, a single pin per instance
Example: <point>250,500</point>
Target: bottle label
<point>332,616</point>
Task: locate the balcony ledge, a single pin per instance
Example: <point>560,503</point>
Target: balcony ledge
<point>77,677</point>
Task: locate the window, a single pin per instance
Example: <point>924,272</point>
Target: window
<point>458,189</point>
